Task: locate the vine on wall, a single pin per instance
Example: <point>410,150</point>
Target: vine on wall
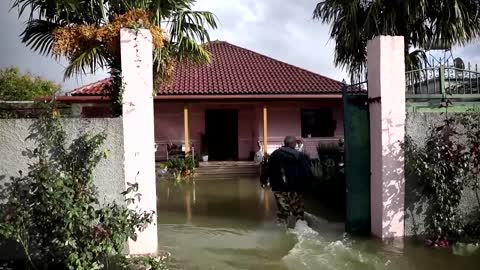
<point>447,165</point>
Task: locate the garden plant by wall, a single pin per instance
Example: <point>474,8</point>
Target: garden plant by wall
<point>109,175</point>
<point>416,205</point>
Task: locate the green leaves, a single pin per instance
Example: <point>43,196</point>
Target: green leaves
<point>187,29</point>
<point>19,87</point>
<point>425,24</point>
<point>446,165</point>
<point>38,35</point>
<point>87,61</point>
<point>53,212</point>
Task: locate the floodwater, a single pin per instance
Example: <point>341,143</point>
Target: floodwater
<point>229,225</point>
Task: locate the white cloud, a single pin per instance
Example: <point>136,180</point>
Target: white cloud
<point>282,29</point>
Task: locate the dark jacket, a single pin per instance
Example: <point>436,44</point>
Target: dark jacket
<point>287,170</point>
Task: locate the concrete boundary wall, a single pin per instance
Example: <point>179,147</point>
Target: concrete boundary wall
<point>109,174</point>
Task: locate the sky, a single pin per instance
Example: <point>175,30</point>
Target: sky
<point>282,29</point>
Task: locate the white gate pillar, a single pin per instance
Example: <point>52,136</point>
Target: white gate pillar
<point>138,129</point>
<point>386,92</point>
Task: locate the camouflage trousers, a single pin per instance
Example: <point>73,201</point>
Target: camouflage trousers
<point>289,203</point>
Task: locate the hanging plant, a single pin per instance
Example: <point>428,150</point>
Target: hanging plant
<point>72,39</point>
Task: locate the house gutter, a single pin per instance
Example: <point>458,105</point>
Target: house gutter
<point>87,99</point>
<point>76,99</point>
<point>266,96</point>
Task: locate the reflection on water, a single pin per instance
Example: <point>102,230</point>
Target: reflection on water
<point>229,224</point>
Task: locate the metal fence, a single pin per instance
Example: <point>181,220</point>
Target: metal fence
<point>443,81</point>
<point>30,109</point>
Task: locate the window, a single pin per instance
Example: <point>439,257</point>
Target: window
<point>317,123</point>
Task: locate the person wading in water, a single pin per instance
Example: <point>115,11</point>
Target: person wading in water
<point>287,171</point>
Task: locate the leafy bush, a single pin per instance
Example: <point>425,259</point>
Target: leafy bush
<point>53,211</point>
<point>176,165</point>
<point>17,87</point>
<point>317,169</point>
<point>446,165</point>
<point>471,133</point>
<point>330,157</point>
<point>329,151</point>
<point>180,166</point>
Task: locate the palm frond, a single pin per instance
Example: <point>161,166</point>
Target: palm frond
<point>187,29</point>
<point>187,49</point>
<point>423,23</point>
<point>63,11</point>
<point>38,35</point>
<point>192,25</point>
<point>415,60</point>
<point>86,61</point>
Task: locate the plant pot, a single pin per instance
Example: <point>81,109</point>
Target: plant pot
<point>205,158</point>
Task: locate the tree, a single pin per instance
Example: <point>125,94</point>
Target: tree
<point>17,87</point>
<point>425,24</point>
<point>86,32</point>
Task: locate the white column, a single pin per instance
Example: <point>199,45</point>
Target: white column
<point>386,92</point>
<point>138,129</point>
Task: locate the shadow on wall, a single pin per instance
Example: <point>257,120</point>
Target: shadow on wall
<point>417,206</point>
<point>393,197</point>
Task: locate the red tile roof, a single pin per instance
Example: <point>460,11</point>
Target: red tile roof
<point>99,88</point>
<point>235,71</point>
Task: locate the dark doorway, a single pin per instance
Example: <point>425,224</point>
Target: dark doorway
<point>221,129</point>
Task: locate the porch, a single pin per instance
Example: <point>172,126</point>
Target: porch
<point>233,130</point>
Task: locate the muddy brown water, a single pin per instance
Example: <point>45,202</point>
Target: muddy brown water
<point>228,224</point>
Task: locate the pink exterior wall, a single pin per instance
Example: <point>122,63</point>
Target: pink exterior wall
<point>284,118</point>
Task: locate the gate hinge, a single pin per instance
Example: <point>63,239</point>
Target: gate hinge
<point>374,100</point>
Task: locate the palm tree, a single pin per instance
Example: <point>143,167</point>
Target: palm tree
<point>71,28</point>
<point>425,24</point>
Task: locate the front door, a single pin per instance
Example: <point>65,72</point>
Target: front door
<point>221,129</point>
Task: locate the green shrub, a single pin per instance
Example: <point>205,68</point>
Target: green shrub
<point>329,155</point>
<point>180,166</point>
<point>176,165</point>
<point>53,211</point>
<point>329,151</point>
<point>446,166</point>
<point>317,169</point>
<point>18,87</point>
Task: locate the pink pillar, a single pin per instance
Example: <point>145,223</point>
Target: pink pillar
<point>138,129</point>
<point>386,92</point>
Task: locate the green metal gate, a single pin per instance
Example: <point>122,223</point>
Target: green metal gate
<point>357,159</point>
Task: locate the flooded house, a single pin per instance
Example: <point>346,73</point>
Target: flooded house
<point>240,101</point>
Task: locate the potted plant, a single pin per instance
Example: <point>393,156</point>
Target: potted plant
<point>176,167</point>
<point>204,148</point>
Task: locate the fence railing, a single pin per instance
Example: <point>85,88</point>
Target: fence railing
<point>443,81</point>
<point>30,109</point>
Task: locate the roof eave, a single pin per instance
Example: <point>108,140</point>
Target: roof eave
<point>87,99</point>
<point>76,99</point>
<point>265,96</point>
